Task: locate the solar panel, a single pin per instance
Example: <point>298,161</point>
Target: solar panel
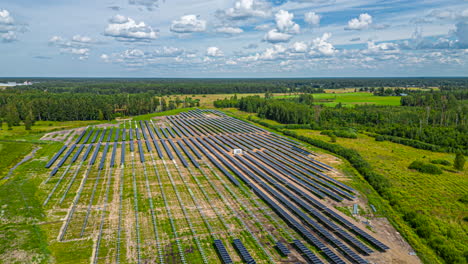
<point>140,149</point>
<point>222,252</point>
<point>103,158</point>
<point>114,150</point>
<point>182,159</point>
<point>245,255</point>
<point>308,255</point>
<point>122,154</point>
<point>81,136</point>
<point>168,151</point>
<point>85,156</point>
<point>283,250</point>
<point>88,135</point>
<point>66,155</point>
<point>96,151</point>
<point>54,158</point>
<point>78,152</point>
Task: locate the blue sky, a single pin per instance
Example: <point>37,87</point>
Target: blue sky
<point>233,38</point>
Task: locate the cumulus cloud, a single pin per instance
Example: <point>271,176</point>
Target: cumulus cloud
<point>78,46</point>
<point>82,53</point>
<point>312,18</point>
<point>274,36</point>
<point>8,27</point>
<point>321,46</point>
<point>244,9</point>
<point>456,40</point>
<point>188,24</point>
<point>299,47</point>
<point>285,28</point>
<point>384,47</point>
<point>126,29</point>
<point>76,41</point>
<point>214,52</point>
<point>82,39</point>
<point>264,27</point>
<point>229,30</point>
<point>360,23</point>
<point>135,58</point>
<point>285,23</point>
<point>5,17</point>
<point>148,4</point>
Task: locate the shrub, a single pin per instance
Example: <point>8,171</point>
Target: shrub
<point>346,133</point>
<point>459,162</point>
<point>464,199</point>
<point>379,138</point>
<point>441,162</point>
<point>326,132</point>
<point>425,167</point>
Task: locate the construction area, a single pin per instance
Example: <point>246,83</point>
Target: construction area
<point>203,187</point>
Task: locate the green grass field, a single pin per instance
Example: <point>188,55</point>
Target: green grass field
<point>351,99</point>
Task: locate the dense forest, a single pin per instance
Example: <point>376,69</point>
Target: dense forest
<point>33,106</point>
<point>217,86</point>
<point>439,123</point>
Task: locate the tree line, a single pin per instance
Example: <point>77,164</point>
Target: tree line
<point>442,127</point>
<point>31,106</point>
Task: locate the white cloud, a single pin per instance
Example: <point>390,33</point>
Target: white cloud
<point>285,28</point>
<point>263,27</point>
<point>299,47</point>
<point>312,18</point>
<point>77,41</point>
<point>362,22</point>
<point>10,36</point>
<point>6,18</point>
<point>229,30</point>
<point>285,23</point>
<point>214,52</point>
<point>148,4</point>
<point>82,39</point>
<point>126,29</point>
<point>247,8</point>
<point>274,36</point>
<point>188,24</point>
<point>82,53</point>
<point>8,28</point>
<point>381,48</point>
<point>322,45</point>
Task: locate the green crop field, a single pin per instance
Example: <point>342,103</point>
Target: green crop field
<point>351,99</point>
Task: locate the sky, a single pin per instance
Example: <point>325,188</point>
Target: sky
<point>233,38</point>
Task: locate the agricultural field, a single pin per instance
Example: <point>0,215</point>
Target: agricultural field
<point>168,189</point>
<point>206,100</point>
<point>349,98</point>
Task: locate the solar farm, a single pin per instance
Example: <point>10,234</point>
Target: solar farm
<point>201,187</point>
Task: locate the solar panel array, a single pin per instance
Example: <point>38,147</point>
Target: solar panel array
<point>279,171</point>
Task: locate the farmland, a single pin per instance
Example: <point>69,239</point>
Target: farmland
<point>349,98</point>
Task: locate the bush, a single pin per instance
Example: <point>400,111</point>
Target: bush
<point>379,138</point>
<point>464,199</point>
<point>346,133</point>
<point>326,132</point>
<point>459,162</point>
<point>441,162</point>
<point>425,167</point>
